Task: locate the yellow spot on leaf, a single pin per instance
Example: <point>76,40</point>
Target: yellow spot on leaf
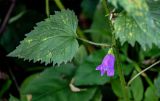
<point>130,34</point>
<point>49,55</point>
<point>29,41</point>
<point>44,39</point>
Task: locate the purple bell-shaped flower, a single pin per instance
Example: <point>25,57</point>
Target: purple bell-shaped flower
<point>107,65</point>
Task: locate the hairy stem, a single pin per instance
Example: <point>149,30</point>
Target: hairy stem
<point>59,4</point>
<point>94,43</point>
<point>121,76</point>
<point>81,35</point>
<point>116,51</point>
<point>47,8</point>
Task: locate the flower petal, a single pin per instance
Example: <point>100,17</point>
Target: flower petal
<point>110,72</point>
<point>102,72</point>
<point>107,65</point>
<point>98,67</point>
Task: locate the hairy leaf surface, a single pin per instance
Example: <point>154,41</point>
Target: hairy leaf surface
<point>139,23</point>
<point>52,41</point>
<point>128,30</point>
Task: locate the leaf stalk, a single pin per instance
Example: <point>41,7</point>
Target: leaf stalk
<point>130,81</point>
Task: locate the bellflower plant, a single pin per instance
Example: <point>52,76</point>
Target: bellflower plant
<point>107,65</point>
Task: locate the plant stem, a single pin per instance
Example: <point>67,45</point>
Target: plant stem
<point>47,8</point>
<point>121,75</point>
<point>16,17</point>
<point>94,43</point>
<point>6,18</point>
<point>14,79</point>
<point>59,4</point>
<point>130,81</point>
<point>139,70</point>
<point>79,31</point>
<point>116,51</point>
<point>81,35</point>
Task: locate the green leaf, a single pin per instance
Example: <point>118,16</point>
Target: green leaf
<point>53,85</point>
<point>28,80</point>
<point>157,85</point>
<point>140,24</point>
<point>150,94</point>
<point>116,87</point>
<point>138,9</point>
<point>87,74</point>
<point>12,98</point>
<point>52,41</point>
<point>154,11</point>
<point>97,96</point>
<point>133,7</point>
<point>127,30</point>
<point>23,98</point>
<point>137,88</point>
<point>80,55</point>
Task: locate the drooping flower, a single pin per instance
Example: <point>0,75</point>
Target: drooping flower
<point>107,65</point>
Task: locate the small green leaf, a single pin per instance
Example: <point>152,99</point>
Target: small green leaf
<point>80,55</point>
<point>97,96</point>
<point>52,41</point>
<point>157,85</point>
<point>23,98</point>
<point>137,89</point>
<point>53,85</point>
<point>150,94</point>
<point>12,98</point>
<point>87,74</point>
<point>116,87</point>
